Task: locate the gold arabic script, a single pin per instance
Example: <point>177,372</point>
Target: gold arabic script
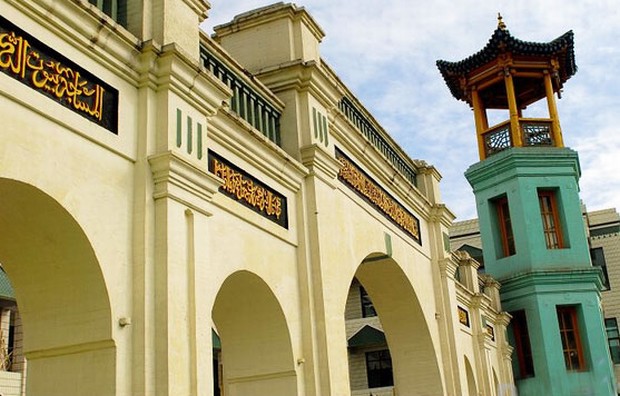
<point>246,190</point>
<point>360,182</point>
<point>463,316</point>
<point>50,76</point>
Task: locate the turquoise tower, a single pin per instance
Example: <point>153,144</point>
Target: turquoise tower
<point>533,234</point>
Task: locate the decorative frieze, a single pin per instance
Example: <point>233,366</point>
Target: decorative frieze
<point>364,186</point>
<point>247,190</point>
<point>463,316</point>
<point>41,68</point>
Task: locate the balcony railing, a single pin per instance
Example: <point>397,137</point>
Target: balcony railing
<point>245,102</point>
<point>534,132</point>
<point>374,137</point>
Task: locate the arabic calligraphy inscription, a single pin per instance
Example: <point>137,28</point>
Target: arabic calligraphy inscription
<point>33,63</point>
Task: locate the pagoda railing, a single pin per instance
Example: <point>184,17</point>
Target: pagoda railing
<point>245,102</point>
<point>534,132</point>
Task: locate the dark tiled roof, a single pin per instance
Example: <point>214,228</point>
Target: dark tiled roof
<point>6,289</point>
<point>367,336</point>
<point>502,41</point>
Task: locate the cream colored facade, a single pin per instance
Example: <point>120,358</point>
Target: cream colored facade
<point>246,206</point>
<point>481,334</point>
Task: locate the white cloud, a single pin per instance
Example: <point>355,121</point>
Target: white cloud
<point>386,52</point>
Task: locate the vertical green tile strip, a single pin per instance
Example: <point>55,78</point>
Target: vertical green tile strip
<point>316,129</point>
<point>189,135</point>
<point>179,127</point>
<point>325,130</point>
<point>199,140</point>
<point>388,244</point>
<point>446,242</point>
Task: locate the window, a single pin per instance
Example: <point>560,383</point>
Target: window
<point>550,220</point>
<point>505,227</point>
<point>598,260</point>
<point>613,339</point>
<point>115,9</point>
<point>571,342</point>
<point>379,369</point>
<point>368,310</point>
<point>522,344</point>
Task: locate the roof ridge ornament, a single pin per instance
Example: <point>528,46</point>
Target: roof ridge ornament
<point>500,22</point>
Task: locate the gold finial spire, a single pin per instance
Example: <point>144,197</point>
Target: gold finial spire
<point>500,22</point>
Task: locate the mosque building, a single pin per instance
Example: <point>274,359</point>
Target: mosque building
<point>183,214</point>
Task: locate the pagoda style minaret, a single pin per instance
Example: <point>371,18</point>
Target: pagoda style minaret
<point>526,188</point>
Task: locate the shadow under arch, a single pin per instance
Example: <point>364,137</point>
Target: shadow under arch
<point>471,379</point>
<point>61,293</point>
<point>495,382</point>
<point>414,360</point>
<point>256,345</point>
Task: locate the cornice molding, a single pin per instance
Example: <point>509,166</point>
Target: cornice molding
<point>268,14</point>
<point>200,7</point>
<point>448,267</point>
<point>176,178</point>
<point>301,76</point>
<point>440,213</point>
<point>238,137</point>
<point>523,162</point>
<point>170,68</point>
<point>321,164</point>
<point>553,281</point>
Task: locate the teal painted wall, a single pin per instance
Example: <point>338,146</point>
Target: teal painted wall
<point>518,173</point>
<point>537,279</point>
<point>539,295</point>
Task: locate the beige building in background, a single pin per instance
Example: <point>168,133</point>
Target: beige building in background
<point>165,194</point>
<point>604,236</point>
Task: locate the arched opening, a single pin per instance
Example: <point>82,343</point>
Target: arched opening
<point>495,383</point>
<point>407,348</point>
<point>370,362</point>
<point>256,352</point>
<point>12,362</point>
<point>63,301</point>
<point>471,380</point>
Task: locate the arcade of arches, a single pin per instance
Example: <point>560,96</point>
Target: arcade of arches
<point>207,199</point>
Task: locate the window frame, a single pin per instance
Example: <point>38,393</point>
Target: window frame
<point>613,328</point>
<point>115,9</point>
<point>597,257</point>
<point>384,375</point>
<point>504,224</point>
<point>566,333</point>
<point>523,347</point>
<point>367,304</point>
<point>550,218</point>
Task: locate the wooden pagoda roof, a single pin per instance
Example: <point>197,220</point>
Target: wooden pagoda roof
<point>502,42</point>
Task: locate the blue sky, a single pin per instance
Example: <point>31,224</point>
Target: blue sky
<point>385,51</point>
